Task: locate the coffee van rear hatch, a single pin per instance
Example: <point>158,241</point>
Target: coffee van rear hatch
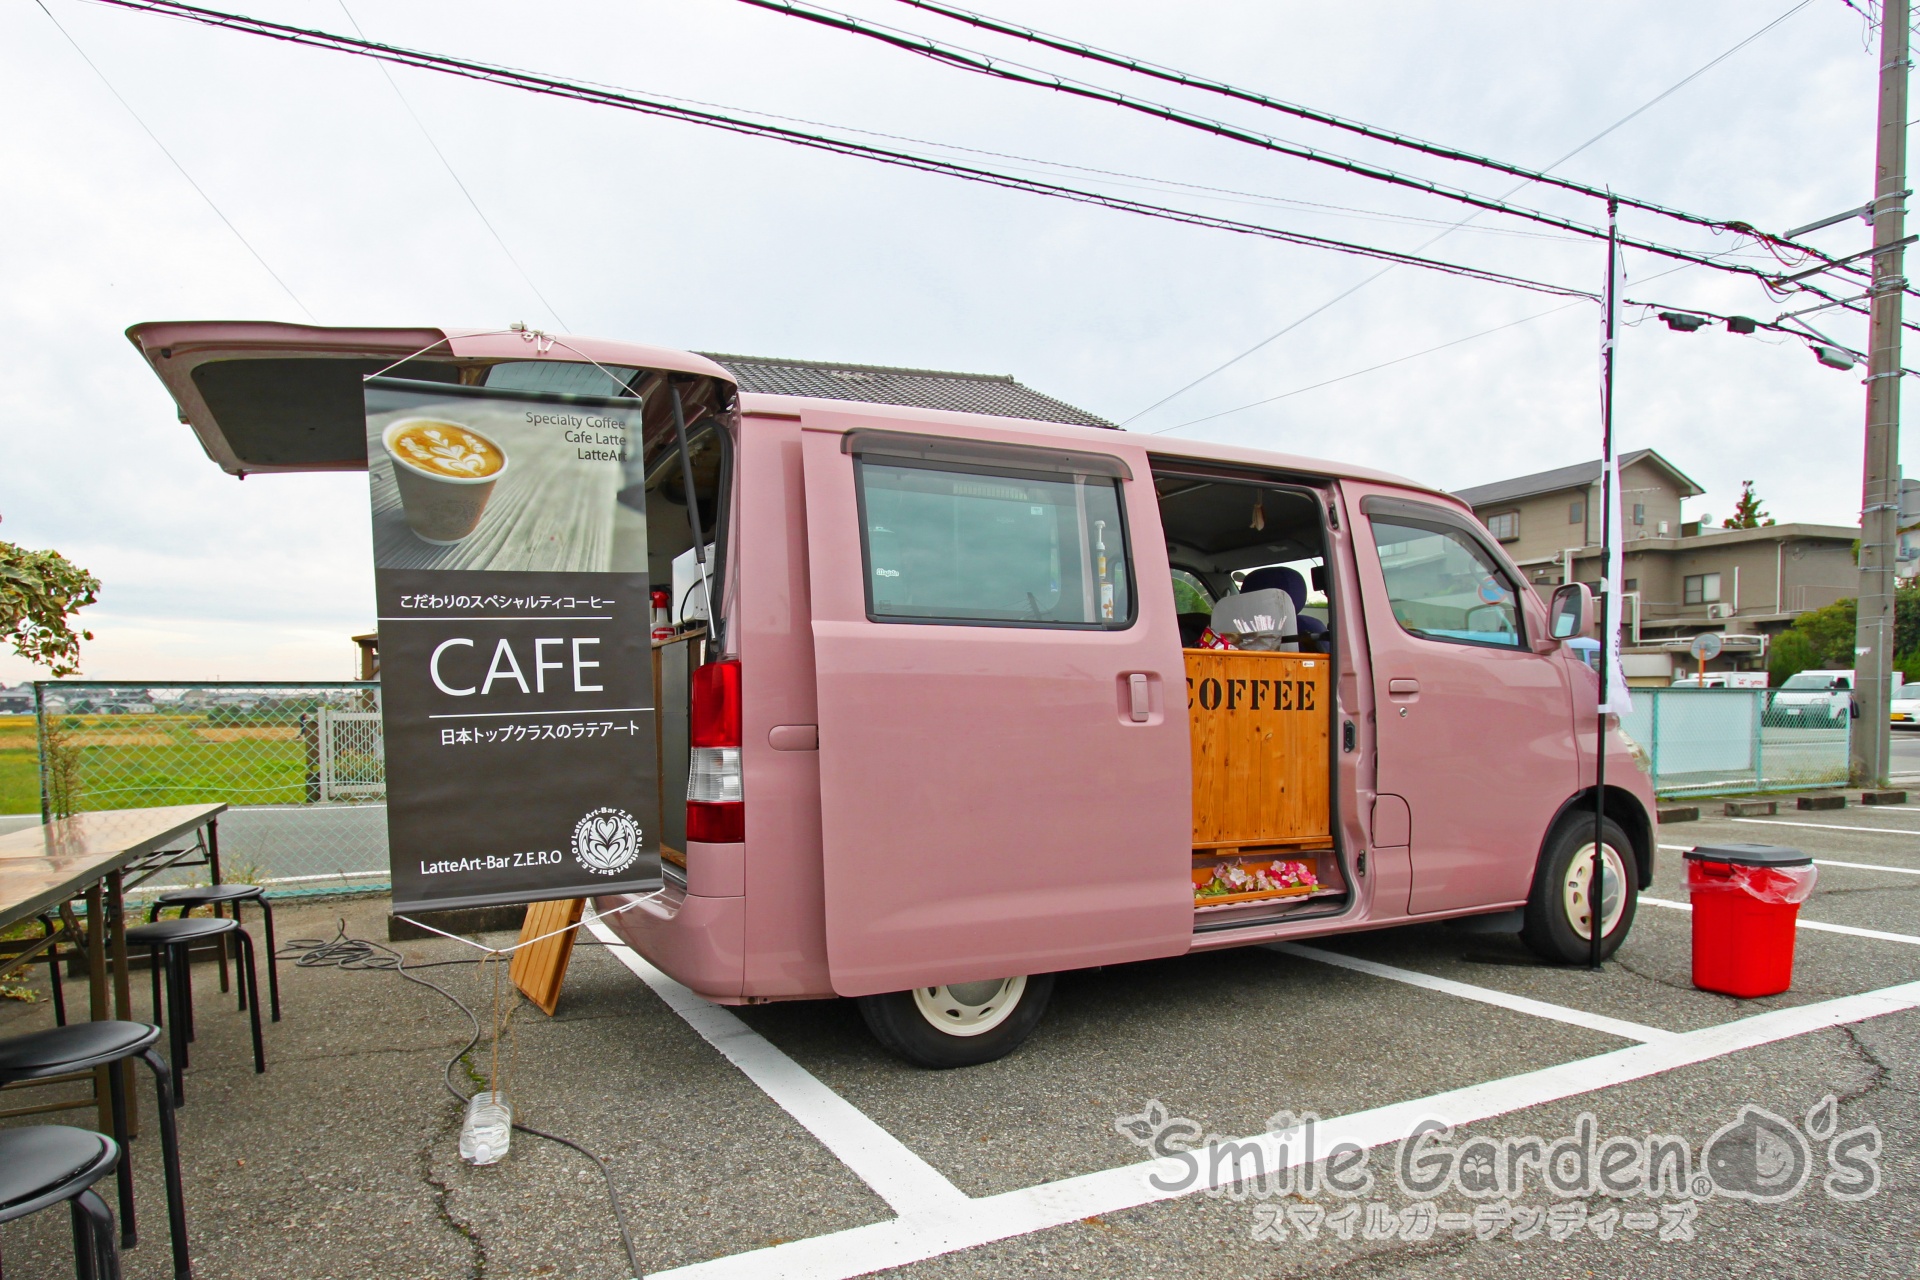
<point>263,396</point>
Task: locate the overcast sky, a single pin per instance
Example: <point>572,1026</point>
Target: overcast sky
<point>643,229</point>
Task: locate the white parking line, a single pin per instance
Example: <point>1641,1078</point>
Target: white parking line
<point>905,1181</point>
<point>972,1223</point>
<point>1485,995</point>
<point>1829,826</point>
<point>1828,862</point>
<point>1816,925</point>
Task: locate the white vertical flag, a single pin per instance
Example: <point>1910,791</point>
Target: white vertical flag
<point>1614,697</point>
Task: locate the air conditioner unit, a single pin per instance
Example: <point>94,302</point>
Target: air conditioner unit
<point>1718,611</point>
<point>1663,527</point>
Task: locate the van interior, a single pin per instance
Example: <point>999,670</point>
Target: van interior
<point>1261,717</point>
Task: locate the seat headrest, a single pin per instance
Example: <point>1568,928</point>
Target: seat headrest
<point>1278,578</point>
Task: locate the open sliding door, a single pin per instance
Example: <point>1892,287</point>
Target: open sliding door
<point>1003,737</point>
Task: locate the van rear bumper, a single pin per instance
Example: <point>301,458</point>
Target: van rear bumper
<point>698,942</point>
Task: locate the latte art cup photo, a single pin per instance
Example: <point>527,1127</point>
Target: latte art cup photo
<point>445,473</point>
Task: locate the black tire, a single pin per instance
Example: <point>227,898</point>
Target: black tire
<point>1551,930</point>
<point>905,1024</point>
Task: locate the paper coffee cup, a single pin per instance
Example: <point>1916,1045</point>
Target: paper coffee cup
<point>445,472</point>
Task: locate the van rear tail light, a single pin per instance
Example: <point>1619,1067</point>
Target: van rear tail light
<point>716,812</point>
<point>715,716</point>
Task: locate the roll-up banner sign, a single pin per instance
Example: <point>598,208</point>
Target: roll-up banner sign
<point>510,568</point>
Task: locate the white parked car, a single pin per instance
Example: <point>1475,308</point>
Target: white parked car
<point>1824,698</point>
<point>1812,698</point>
<point>1905,709</point>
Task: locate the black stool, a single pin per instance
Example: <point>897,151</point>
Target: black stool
<point>215,896</point>
<point>52,956</point>
<point>43,1164</point>
<point>82,1047</point>
<point>169,943</point>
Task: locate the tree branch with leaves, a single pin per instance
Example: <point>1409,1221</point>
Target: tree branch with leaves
<point>40,591</point>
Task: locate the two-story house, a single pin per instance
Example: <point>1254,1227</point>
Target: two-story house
<point>1680,577</point>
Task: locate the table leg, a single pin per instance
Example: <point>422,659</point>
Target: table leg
<point>122,993</point>
<point>97,996</point>
<point>213,850</point>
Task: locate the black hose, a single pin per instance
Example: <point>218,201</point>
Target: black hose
<point>342,952</point>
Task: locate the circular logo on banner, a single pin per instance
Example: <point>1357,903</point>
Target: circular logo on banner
<point>606,841</point>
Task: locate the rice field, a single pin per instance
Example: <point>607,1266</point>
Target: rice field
<point>133,761</point>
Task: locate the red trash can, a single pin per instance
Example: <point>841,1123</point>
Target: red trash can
<point>1746,903</point>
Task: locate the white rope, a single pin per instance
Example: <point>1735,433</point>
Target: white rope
<point>586,911</point>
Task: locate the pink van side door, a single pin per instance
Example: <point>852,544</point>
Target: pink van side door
<point>995,799</point>
<point>1473,726</point>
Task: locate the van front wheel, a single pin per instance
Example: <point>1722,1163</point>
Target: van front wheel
<point>960,1025</point>
<point>1560,908</point>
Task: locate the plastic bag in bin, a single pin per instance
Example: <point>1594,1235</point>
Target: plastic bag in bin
<point>1787,884</point>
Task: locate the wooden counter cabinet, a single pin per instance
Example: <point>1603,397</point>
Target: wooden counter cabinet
<point>1260,724</point>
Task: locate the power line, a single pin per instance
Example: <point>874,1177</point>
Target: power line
<point>448,166</point>
<point>1511,324</point>
<point>970,60</point>
<point>1772,326</point>
<point>1170,75</point>
<point>580,92</point>
<point>1675,88</point>
<point>1230,194</point>
<point>1424,245</point>
<point>175,161</point>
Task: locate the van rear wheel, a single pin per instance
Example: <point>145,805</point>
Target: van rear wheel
<point>1560,908</point>
<point>960,1025</point>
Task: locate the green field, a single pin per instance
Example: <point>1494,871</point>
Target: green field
<point>19,782</point>
<point>132,761</point>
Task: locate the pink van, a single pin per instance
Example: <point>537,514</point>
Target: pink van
<point>962,720</point>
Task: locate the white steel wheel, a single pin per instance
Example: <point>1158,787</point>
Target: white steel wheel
<point>970,1008</point>
<point>1575,891</point>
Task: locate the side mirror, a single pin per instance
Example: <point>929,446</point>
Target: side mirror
<point>1572,612</point>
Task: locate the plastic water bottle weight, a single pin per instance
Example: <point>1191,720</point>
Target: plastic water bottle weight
<point>487,1130</point>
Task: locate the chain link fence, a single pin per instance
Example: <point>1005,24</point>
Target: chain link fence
<point>1719,741</point>
<point>303,766</point>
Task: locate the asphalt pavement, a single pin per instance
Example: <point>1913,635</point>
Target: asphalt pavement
<point>780,1140</point>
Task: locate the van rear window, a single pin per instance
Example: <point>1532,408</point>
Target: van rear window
<point>945,543</point>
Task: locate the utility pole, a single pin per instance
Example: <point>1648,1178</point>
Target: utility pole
<point>1880,490</point>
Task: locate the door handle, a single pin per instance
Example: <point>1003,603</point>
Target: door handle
<point>1403,688</point>
<point>1139,699</point>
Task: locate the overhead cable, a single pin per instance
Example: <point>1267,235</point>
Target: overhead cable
<point>1772,326</point>
<point>1511,324</point>
<point>1158,71</point>
<point>447,164</point>
<point>1429,243</point>
<point>553,86</point>
<point>1229,195</point>
<point>175,162</point>
<point>983,64</point>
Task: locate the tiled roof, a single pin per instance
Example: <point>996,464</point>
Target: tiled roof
<point>1577,476</point>
<point>990,393</point>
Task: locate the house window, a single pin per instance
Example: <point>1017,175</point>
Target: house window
<point>1639,513</point>
<point>1576,512</point>
<point>1631,584</point>
<point>1505,527</point>
<point>1701,588</point>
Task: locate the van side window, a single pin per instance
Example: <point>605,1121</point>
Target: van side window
<point>949,542</point>
<point>1444,585</point>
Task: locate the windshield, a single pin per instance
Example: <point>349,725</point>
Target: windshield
<point>1810,680</point>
